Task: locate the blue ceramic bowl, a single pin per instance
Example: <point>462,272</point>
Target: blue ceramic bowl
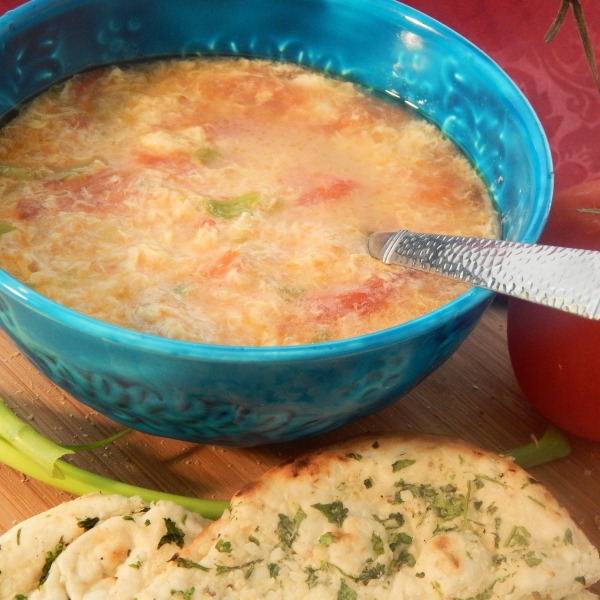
<point>246,395</point>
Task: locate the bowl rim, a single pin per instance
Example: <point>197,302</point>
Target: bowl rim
<point>467,301</point>
<point>115,334</point>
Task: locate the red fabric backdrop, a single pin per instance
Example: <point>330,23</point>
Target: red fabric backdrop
<point>554,77</point>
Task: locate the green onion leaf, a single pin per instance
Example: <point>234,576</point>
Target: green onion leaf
<point>77,170</point>
<point>98,444</point>
<point>22,173</point>
<point>232,207</point>
<point>5,227</point>
<point>207,154</point>
<point>552,445</point>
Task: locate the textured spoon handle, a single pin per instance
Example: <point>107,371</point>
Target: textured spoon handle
<point>562,278</point>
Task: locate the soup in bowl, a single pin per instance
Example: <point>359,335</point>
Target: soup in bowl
<point>273,385</point>
<point>227,201</point>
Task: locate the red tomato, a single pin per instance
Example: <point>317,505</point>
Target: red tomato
<point>28,209</point>
<point>333,190</point>
<point>224,263</point>
<point>361,299</point>
<point>556,356</point>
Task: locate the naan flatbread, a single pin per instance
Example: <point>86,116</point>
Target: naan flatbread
<point>122,555</point>
<point>27,550</point>
<point>388,517</point>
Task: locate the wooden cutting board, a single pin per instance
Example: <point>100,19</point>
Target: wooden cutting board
<point>473,396</point>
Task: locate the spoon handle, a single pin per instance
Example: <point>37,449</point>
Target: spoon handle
<point>563,278</point>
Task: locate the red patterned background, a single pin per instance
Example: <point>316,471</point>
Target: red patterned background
<point>554,77</point>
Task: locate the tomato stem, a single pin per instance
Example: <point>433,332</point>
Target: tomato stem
<point>588,48</point>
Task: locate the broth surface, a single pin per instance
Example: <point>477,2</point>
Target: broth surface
<point>228,201</point>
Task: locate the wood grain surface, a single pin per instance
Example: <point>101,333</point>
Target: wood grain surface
<point>473,396</point>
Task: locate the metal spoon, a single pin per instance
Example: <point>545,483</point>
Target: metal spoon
<point>562,278</point>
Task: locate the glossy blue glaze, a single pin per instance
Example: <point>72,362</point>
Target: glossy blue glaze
<point>240,395</point>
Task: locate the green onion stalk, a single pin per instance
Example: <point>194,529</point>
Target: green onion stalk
<point>551,446</point>
<point>27,451</point>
